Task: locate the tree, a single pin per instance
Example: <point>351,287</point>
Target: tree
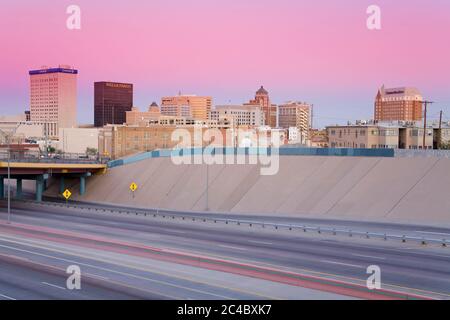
<point>445,145</point>
<point>91,151</point>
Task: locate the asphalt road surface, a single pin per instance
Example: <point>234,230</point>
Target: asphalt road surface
<point>143,258</point>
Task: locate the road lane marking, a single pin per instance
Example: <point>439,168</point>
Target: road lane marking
<point>16,257</point>
<point>96,276</point>
<point>7,297</point>
<point>126,274</point>
<point>53,285</point>
<point>196,281</point>
<point>231,247</point>
<point>370,257</point>
<point>260,242</point>
<point>342,264</point>
<point>35,244</point>
<point>174,231</point>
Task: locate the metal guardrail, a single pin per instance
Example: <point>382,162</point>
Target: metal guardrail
<point>52,158</point>
<point>173,215</point>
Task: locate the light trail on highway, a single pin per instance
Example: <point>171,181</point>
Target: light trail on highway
<point>155,259</point>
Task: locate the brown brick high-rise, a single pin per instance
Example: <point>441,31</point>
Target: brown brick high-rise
<point>398,104</point>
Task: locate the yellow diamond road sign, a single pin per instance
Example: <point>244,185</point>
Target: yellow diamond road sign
<point>133,187</point>
<point>67,194</point>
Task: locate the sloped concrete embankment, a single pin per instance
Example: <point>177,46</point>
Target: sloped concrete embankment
<point>414,190</point>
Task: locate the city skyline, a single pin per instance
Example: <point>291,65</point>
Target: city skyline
<point>340,70</point>
<point>223,155</point>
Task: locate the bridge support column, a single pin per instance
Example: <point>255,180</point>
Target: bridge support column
<point>2,187</point>
<point>82,185</point>
<point>62,187</point>
<point>39,188</point>
<point>19,189</point>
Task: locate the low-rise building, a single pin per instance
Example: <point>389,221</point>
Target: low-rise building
<point>121,141</point>
<point>135,116</point>
<point>441,135</point>
<point>413,138</point>
<point>372,135</point>
<point>22,130</point>
<point>294,136</point>
<point>361,136</point>
<point>78,140</point>
<point>318,138</point>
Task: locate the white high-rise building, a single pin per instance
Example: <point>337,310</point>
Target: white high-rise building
<point>252,116</point>
<point>53,96</point>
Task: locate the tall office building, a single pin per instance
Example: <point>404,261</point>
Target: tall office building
<point>398,104</point>
<point>186,106</point>
<point>111,102</point>
<point>295,114</point>
<point>263,101</point>
<point>53,96</point>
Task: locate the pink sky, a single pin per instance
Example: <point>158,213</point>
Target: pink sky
<point>317,51</point>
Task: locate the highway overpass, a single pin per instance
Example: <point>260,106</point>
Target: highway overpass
<point>41,171</point>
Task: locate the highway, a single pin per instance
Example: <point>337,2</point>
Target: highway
<point>437,231</point>
<point>20,280</point>
<point>145,258</point>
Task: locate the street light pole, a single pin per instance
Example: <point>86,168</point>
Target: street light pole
<point>9,180</point>
<point>8,137</point>
<point>207,187</point>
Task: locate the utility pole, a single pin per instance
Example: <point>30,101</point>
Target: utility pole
<point>439,143</point>
<point>9,180</point>
<point>426,103</point>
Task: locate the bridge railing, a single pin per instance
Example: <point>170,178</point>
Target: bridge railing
<point>51,158</point>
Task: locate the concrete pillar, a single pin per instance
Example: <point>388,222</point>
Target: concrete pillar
<point>82,185</point>
<point>62,187</point>
<point>39,188</point>
<point>2,187</point>
<point>19,189</point>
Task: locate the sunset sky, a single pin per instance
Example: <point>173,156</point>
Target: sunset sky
<point>315,51</point>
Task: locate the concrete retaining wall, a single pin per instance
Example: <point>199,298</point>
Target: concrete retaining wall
<point>412,190</point>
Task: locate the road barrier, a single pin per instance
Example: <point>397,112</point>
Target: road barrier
<point>283,151</point>
<point>197,217</point>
